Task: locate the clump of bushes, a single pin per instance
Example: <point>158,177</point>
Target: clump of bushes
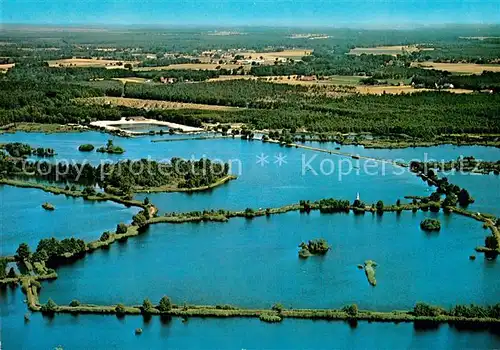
<point>430,225</point>
<point>147,306</point>
<point>104,237</point>
<point>332,205</point>
<point>278,307</point>
<point>351,310</point>
<point>270,317</point>
<point>165,304</point>
<point>48,206</point>
<point>120,309</point>
<point>121,228</point>
<point>422,309</point>
<point>49,307</point>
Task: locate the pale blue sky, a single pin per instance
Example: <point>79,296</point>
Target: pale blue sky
<point>336,13</point>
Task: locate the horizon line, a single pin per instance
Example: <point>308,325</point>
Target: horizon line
<point>354,25</point>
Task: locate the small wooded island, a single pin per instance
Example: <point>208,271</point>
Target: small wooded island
<point>110,148</point>
<point>48,206</point>
<point>86,147</point>
<point>430,225</point>
<point>313,247</point>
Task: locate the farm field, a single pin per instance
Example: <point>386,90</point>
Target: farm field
<point>271,56</point>
<point>131,80</point>
<point>283,79</point>
<point>5,67</point>
<point>385,50</point>
<point>406,89</point>
<point>88,62</point>
<point>193,66</point>
<point>465,68</point>
<point>152,104</point>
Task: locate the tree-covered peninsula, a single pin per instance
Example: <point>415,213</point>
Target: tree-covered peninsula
<point>127,176</point>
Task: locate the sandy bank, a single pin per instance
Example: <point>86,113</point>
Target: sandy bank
<point>114,125</point>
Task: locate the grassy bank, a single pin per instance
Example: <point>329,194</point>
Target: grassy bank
<point>179,189</point>
<point>102,196</point>
<point>249,213</point>
<point>42,128</point>
<point>267,315</point>
<point>489,223</point>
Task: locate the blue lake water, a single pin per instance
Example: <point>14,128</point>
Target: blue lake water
<point>22,218</point>
<point>254,262</point>
<point>442,152</point>
<point>485,189</point>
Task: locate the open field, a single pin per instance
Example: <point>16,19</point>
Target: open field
<point>406,89</point>
<point>88,62</point>
<point>271,56</point>
<point>345,79</point>
<point>385,50</point>
<point>193,66</point>
<point>152,104</point>
<point>283,79</point>
<point>131,80</point>
<point>467,68</point>
<point>5,67</point>
<point>232,77</point>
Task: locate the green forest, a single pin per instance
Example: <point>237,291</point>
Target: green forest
<point>34,92</point>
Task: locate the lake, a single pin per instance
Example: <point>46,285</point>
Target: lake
<point>110,332</point>
<point>254,263</point>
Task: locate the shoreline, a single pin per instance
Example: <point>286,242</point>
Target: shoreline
<point>109,127</point>
<point>227,311</point>
<point>104,196</point>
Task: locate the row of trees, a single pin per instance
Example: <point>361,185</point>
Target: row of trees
<point>18,149</point>
<point>476,82</point>
<point>466,311</point>
<point>332,205</point>
<point>50,250</point>
<point>327,64</point>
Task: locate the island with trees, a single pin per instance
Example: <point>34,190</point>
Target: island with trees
<point>109,148</point>
<point>313,247</point>
<point>21,150</point>
<point>86,148</point>
<point>48,206</point>
<point>430,225</point>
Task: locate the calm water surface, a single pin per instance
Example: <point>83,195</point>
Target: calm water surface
<point>22,218</point>
<point>254,262</point>
<point>109,332</point>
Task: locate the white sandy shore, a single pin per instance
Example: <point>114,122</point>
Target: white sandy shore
<point>110,124</point>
